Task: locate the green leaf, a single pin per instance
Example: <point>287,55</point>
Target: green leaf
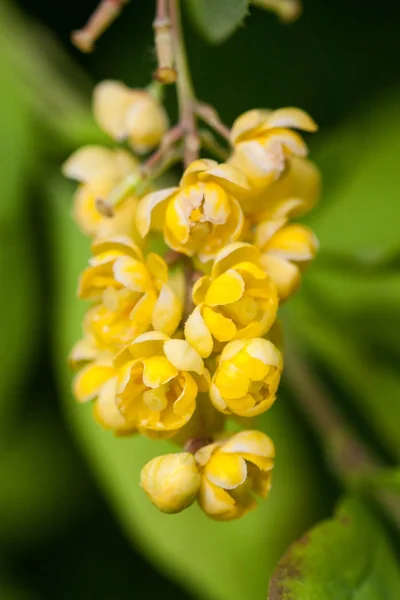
<point>345,558</point>
<point>216,20</point>
<point>218,561</point>
<point>41,485</point>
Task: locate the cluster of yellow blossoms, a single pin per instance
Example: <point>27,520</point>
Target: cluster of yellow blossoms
<point>173,346</point>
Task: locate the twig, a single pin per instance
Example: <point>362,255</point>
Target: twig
<point>210,116</point>
<point>349,457</point>
<point>166,72</point>
<point>104,15</point>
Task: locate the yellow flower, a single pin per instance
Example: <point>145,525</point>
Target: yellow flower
<point>158,382</point>
<point>200,216</point>
<point>286,251</point>
<point>129,114</point>
<point>232,471</point>
<point>97,380</point>
<point>132,286</point>
<point>239,300</point>
<point>264,147</point>
<point>171,481</point>
<point>247,377</point>
<point>295,193</point>
<point>99,170</point>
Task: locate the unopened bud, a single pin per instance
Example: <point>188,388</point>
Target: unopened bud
<point>171,481</point>
<point>128,114</point>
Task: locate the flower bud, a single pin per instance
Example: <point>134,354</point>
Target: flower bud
<point>128,114</point>
<point>171,481</point>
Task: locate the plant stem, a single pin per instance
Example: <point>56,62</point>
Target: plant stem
<point>185,93</point>
<point>350,458</point>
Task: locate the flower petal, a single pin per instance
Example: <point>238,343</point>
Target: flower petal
<point>157,371</point>
<point>198,334</point>
<point>222,328</point>
<point>111,102</point>
<point>150,210</point>
<point>185,358</point>
<point>167,312</point>
<point>132,274</point>
<point>226,288</point>
<point>227,471</point>
<point>231,381</point>
<point>89,381</point>
<point>249,442</point>
<point>89,163</point>
<point>291,117</point>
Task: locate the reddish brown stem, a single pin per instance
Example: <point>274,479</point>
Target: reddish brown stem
<point>104,15</point>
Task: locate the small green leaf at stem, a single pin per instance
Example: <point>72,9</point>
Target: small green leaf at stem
<point>347,557</point>
<point>217,20</point>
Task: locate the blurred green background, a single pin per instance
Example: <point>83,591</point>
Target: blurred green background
<point>73,523</point>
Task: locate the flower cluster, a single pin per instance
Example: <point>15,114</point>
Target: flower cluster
<point>173,347</point>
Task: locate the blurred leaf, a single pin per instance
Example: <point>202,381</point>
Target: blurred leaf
<point>216,560</point>
<point>217,19</point>
<point>372,386</point>
<point>41,484</point>
<point>359,212</point>
<point>343,316</point>
<point>347,557</point>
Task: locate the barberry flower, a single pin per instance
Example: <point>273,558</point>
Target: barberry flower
<point>97,380</point>
<point>130,114</point>
<point>158,382</point>
<point>232,471</point>
<point>132,286</point>
<point>238,300</point>
<point>171,481</point>
<point>247,377</point>
<point>99,170</point>
<point>264,143</point>
<point>286,251</point>
<point>200,216</point>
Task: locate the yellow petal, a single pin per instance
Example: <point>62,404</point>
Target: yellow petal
<point>89,163</point>
<point>291,117</point>
<point>225,289</point>
<point>216,205</point>
<point>198,334</point>
<point>151,208</point>
<point>217,400</point>
<point>84,350</point>
<point>185,404</point>
<point>228,176</point>
<point>246,123</point>
<point>215,501</point>
<point>148,344</point>
<point>226,471</point>
<point>107,413</point>
<point>231,381</point>
<point>111,102</point>
<point>89,381</point>
<point>285,275</point>
<point>261,164</point>
<point>254,368</point>
<point>267,229</point>
<point>191,173</point>
<point>265,351</point>
<point>157,267</point>
<point>142,313</point>
<point>146,123</point>
<point>185,358</point>
<point>204,454</point>
<point>249,442</point>
<point>200,288</point>
<point>222,328</point>
<point>117,245</point>
<point>294,242</point>
<point>132,274</point>
<point>231,349</point>
<point>167,312</point>
<point>157,371</point>
<point>232,254</point>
